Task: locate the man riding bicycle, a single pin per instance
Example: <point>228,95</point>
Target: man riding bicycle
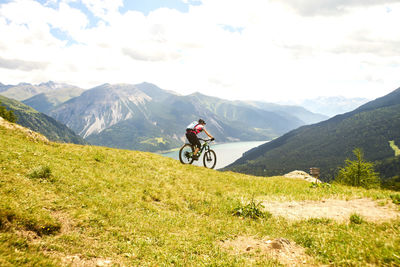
<point>192,130</point>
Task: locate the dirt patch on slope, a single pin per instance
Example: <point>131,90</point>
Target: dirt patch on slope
<point>29,133</point>
<point>286,252</point>
<point>77,261</point>
<point>339,210</point>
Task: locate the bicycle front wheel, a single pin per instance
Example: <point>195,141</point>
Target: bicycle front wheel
<point>185,154</point>
<point>210,159</point>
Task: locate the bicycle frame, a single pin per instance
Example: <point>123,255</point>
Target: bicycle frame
<point>205,146</point>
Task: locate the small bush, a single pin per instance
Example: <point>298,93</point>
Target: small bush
<point>99,157</point>
<point>42,172</point>
<point>252,210</point>
<point>395,199</point>
<point>356,219</point>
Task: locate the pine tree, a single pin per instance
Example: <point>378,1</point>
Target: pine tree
<point>7,114</point>
<point>358,172</point>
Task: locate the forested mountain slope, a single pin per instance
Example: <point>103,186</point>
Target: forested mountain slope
<point>39,122</point>
<point>327,144</point>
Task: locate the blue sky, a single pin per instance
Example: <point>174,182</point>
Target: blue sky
<point>269,50</point>
<point>150,5</point>
<point>143,6</point>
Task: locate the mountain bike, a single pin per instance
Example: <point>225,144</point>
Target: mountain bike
<point>209,158</point>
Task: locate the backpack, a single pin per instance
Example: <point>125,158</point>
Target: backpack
<point>192,125</point>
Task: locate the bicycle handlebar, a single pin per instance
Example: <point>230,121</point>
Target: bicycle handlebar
<point>206,140</point>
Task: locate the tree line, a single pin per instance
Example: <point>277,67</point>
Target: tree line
<point>7,114</point>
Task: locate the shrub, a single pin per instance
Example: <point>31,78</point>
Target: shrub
<point>358,172</point>
<point>356,219</point>
<point>395,199</point>
<point>98,157</point>
<point>42,172</point>
<point>252,210</point>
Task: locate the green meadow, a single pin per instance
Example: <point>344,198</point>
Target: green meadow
<point>395,148</point>
<point>64,204</point>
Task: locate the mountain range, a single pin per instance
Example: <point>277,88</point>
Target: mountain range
<point>329,143</point>
<point>333,105</point>
<point>24,91</point>
<point>146,117</point>
<point>47,101</point>
<point>329,105</point>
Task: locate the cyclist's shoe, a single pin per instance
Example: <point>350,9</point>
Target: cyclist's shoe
<point>196,157</point>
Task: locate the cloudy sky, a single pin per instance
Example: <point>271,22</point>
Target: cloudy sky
<point>270,50</point>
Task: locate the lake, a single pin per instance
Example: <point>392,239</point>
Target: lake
<point>227,153</point>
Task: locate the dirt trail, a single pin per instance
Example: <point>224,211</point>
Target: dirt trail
<point>286,252</point>
<point>339,210</point>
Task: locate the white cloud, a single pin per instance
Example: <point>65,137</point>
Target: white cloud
<point>280,51</point>
<point>20,64</point>
<point>69,19</point>
<point>102,8</point>
<point>331,7</point>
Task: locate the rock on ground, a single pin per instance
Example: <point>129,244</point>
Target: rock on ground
<point>301,175</point>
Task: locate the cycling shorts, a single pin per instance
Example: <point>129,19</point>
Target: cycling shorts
<point>193,139</point>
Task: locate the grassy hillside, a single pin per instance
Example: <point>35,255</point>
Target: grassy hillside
<point>64,204</point>
<point>39,122</point>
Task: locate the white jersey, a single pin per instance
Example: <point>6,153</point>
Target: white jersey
<point>195,127</point>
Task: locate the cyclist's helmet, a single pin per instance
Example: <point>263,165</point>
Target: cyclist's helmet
<point>201,121</point>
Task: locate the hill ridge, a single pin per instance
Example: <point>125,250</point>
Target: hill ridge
<point>36,121</point>
<point>28,132</point>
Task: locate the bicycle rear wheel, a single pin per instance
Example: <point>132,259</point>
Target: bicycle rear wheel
<point>185,154</point>
<point>210,159</point>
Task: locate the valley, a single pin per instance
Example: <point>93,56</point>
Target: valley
<point>147,118</point>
